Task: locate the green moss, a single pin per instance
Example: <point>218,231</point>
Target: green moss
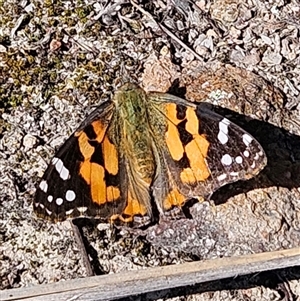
<point>46,73</point>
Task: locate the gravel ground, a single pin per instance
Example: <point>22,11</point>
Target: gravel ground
<point>59,59</point>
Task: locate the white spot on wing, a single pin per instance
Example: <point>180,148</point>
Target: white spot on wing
<point>68,212</point>
<point>226,160</point>
<point>253,165</point>
<point>234,173</point>
<point>222,177</point>
<point>247,139</point>
<point>54,160</point>
<point>48,211</point>
<point>82,209</point>
<point>256,157</point>
<point>59,201</point>
<point>64,173</point>
<point>223,138</point>
<point>223,130</point>
<point>50,198</point>
<point>60,168</point>
<point>246,153</point>
<point>44,186</point>
<point>70,195</point>
<point>239,160</point>
<point>59,165</point>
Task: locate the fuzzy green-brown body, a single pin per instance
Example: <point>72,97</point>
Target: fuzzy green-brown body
<point>135,137</point>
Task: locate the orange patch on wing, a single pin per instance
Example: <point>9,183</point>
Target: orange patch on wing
<point>110,157</point>
<point>192,124</point>
<point>112,193</point>
<point>85,148</point>
<point>187,176</point>
<point>125,220</point>
<point>99,129</point>
<point>98,186</point>
<point>93,174</point>
<point>134,207</point>
<point>83,140</point>
<point>171,112</point>
<point>85,171</point>
<point>173,142</point>
<point>196,152</point>
<point>174,198</point>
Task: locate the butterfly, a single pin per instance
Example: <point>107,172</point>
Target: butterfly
<point>143,151</point>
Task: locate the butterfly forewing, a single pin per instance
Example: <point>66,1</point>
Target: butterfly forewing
<point>84,177</point>
<point>200,150</point>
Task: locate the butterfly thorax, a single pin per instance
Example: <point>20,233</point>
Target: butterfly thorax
<point>134,136</point>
